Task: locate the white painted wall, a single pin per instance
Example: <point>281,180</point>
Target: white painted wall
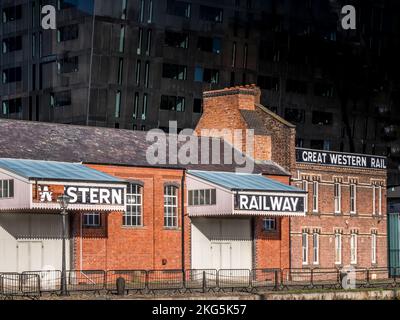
<point>221,243</point>
<point>29,242</point>
<point>22,192</point>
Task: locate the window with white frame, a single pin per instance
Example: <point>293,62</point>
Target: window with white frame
<point>304,246</point>
<point>305,188</point>
<point>6,189</point>
<point>353,248</point>
<point>338,248</point>
<point>269,224</point>
<point>171,206</point>
<point>204,197</point>
<point>315,248</point>
<point>337,196</point>
<point>380,200</point>
<point>353,198</point>
<point>315,196</point>
<point>91,219</point>
<point>134,201</point>
<point>374,199</point>
<point>373,248</point>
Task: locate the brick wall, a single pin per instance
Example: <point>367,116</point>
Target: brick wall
<point>114,246</point>
<point>327,222</point>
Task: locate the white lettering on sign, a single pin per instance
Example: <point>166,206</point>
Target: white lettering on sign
<point>271,203</point>
<point>340,159</point>
<point>95,195</point>
<point>45,194</point>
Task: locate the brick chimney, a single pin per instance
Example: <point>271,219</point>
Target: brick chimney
<point>232,109</point>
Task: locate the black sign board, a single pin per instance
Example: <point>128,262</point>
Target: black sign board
<point>271,203</point>
<point>331,158</point>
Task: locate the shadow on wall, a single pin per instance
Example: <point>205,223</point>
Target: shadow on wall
<point>31,226</point>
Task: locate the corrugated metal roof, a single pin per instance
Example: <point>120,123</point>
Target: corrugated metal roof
<point>242,181</point>
<point>52,170</point>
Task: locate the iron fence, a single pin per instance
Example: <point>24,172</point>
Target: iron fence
<point>50,280</point>
<point>34,283</point>
<point>165,280</point>
<point>17,284</point>
<point>86,280</point>
<point>204,280</point>
<point>135,280</point>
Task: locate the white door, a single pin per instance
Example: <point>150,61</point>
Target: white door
<point>221,255</point>
<point>30,254</point>
<point>221,243</point>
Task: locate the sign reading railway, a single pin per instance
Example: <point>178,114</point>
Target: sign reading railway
<point>271,203</point>
<point>331,158</point>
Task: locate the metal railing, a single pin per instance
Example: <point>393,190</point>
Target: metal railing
<point>35,283</point>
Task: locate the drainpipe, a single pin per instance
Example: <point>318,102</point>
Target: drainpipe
<point>290,243</point>
<point>183,219</point>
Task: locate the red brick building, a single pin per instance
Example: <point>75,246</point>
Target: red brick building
<point>346,212</point>
<point>157,220</point>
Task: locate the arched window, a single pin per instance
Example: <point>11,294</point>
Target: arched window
<point>170,206</point>
<point>133,214</point>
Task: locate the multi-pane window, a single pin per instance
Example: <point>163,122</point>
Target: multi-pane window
<point>174,71</point>
<point>172,103</point>
<point>179,8</point>
<point>373,248</point>
<point>337,197</point>
<point>315,196</point>
<point>211,14</point>
<point>6,189</point>
<point>67,65</point>
<point>353,248</point>
<point>176,39</point>
<point>338,248</point>
<point>12,106</point>
<point>316,248</point>
<point>353,198</point>
<point>133,213</point>
<point>66,33</point>
<point>12,44</point>
<point>209,44</point>
<point>269,224</point>
<point>148,43</point>
<point>171,206</point>
<point>12,13</point>
<point>12,75</point>
<point>91,219</point>
<point>304,246</point>
<point>202,197</point>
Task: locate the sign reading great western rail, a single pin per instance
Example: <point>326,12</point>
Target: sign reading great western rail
<point>270,203</point>
<point>331,158</point>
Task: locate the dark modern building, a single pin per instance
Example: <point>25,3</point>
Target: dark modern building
<point>136,64</point>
